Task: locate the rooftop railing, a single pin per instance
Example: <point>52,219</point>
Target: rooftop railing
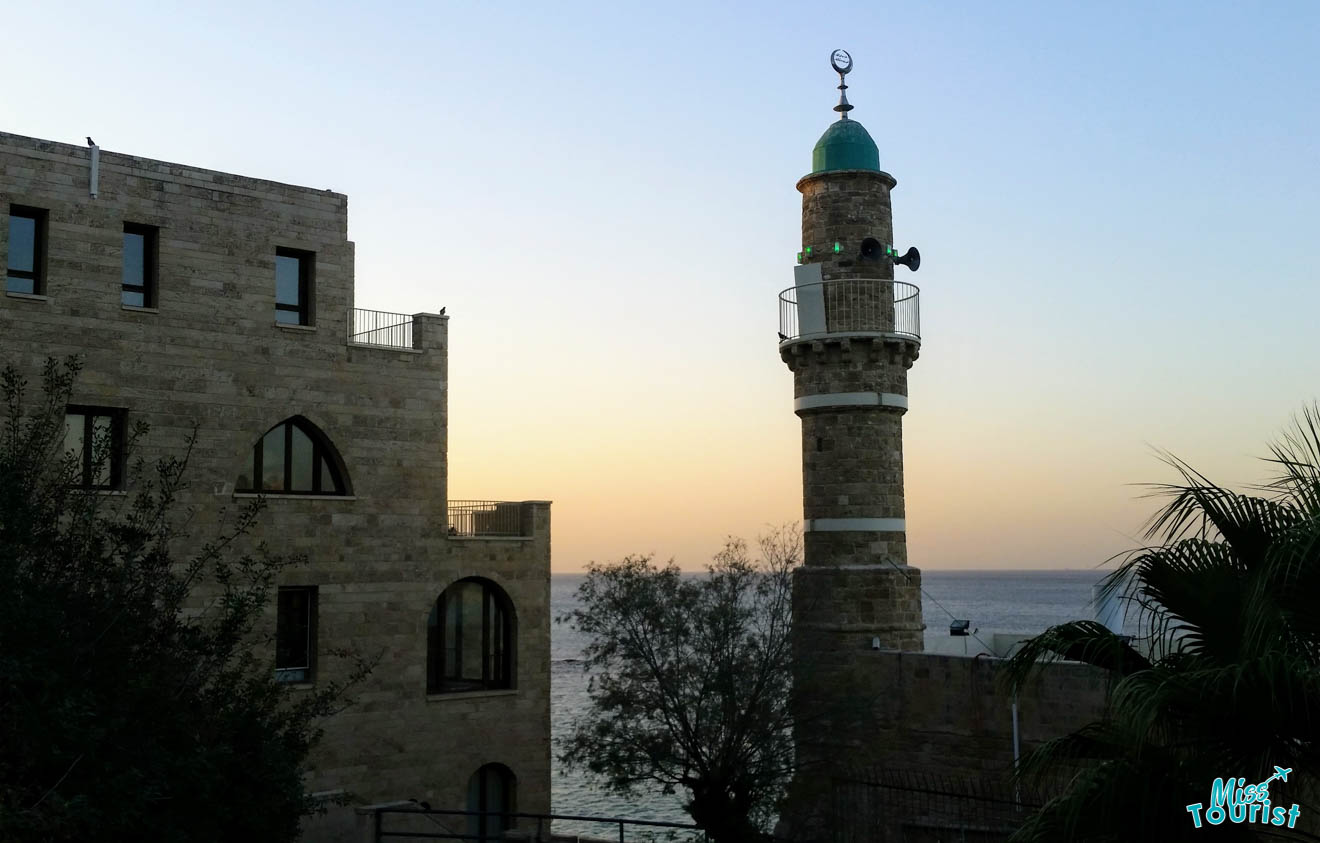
<point>852,306</point>
<point>378,328</point>
<point>490,519</point>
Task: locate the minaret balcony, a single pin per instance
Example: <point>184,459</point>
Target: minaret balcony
<point>850,308</point>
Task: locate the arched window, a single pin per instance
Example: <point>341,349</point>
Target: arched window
<point>490,801</point>
<point>295,457</point>
<point>470,639</point>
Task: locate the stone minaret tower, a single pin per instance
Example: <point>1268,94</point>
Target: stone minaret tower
<point>849,333</point>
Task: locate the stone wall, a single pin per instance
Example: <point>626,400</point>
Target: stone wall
<point>855,591</point>
<point>938,723</point>
<point>866,701</point>
<point>949,712</point>
<point>211,355</point>
<point>847,206</point>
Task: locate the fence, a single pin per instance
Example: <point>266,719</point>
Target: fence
<point>379,328</point>
<point>850,306</point>
<point>490,519</point>
<point>922,807</point>
<point>420,822</point>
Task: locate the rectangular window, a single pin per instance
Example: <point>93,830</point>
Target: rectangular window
<point>140,253</point>
<point>295,634</point>
<point>94,439</point>
<point>293,286</point>
<point>27,251</point>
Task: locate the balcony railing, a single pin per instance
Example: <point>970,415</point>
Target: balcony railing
<point>856,307</point>
<point>490,519</point>
<point>378,328</point>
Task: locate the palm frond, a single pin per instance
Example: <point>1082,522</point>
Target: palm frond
<point>1226,678</point>
<point>1084,641</point>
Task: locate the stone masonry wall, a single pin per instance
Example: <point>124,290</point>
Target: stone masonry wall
<point>936,719</point>
<point>210,354</point>
<point>946,719</point>
<point>847,207</point>
<point>852,457</point>
<point>855,592</point>
<point>949,713</point>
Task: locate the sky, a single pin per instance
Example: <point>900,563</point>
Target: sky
<point>1115,205</point>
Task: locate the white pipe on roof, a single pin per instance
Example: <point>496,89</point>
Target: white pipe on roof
<point>96,170</point>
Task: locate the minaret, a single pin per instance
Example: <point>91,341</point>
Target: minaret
<point>849,333</point>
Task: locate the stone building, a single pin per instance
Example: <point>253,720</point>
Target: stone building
<point>199,298</point>
<point>893,743</point>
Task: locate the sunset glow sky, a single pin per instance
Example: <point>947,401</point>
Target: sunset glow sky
<point>1117,211</point>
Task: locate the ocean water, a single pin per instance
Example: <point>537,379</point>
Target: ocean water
<point>1005,601</point>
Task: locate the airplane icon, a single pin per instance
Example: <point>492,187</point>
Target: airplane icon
<point>1279,773</point>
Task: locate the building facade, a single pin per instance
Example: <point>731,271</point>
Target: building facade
<point>225,304</point>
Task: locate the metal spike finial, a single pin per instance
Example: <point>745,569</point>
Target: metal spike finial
<point>842,63</point>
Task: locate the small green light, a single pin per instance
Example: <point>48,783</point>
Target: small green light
<point>838,247</point>
<point>799,257</point>
<point>808,251</point>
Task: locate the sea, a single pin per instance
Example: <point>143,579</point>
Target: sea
<point>1003,601</point>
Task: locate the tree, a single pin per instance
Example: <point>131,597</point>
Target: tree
<point>690,680</point>
<point>1224,679</point>
<point>129,711</point>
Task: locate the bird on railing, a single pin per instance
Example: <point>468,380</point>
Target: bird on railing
<point>90,142</point>
<point>442,311</point>
<point>782,336</point>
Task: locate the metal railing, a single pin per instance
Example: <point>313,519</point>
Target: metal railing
<point>856,306</point>
<point>875,804</point>
<point>439,830</point>
<point>490,519</point>
<point>376,327</point>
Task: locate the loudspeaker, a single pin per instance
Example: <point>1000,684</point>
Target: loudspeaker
<point>911,259</point>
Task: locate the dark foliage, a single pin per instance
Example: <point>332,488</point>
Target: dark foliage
<point>690,680</point>
<point>1223,679</point>
<point>127,710</point>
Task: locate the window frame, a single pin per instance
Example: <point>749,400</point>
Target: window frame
<point>303,309</point>
<point>438,670</point>
<point>37,275</point>
<point>298,674</point>
<point>150,264</point>
<point>324,454</point>
<point>116,463</point>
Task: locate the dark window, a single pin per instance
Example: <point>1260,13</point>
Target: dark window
<point>94,437</point>
<point>491,802</point>
<point>470,639</point>
<point>295,457</point>
<point>27,250</point>
<point>295,634</point>
<point>140,252</point>
<point>293,286</point>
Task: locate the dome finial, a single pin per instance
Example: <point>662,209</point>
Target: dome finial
<point>842,63</point>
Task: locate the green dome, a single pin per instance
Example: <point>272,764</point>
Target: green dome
<point>846,145</point>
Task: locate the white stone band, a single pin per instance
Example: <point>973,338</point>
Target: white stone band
<point>849,399</point>
<point>860,525</point>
